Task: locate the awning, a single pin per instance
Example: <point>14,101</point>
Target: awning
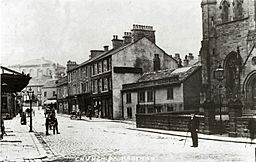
<point>47,102</point>
<point>14,83</point>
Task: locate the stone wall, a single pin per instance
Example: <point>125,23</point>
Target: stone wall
<point>166,122</point>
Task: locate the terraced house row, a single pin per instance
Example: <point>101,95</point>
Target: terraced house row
<point>97,82</point>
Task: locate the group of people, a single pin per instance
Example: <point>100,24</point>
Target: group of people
<point>2,129</point>
<point>51,122</point>
<point>193,127</point>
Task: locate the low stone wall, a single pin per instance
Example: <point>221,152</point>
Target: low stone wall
<point>165,122</point>
<point>241,127</point>
<point>179,122</point>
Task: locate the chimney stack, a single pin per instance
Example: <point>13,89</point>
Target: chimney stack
<point>190,56</point>
<point>95,53</point>
<point>105,48</point>
<point>127,38</point>
<point>140,31</point>
<point>71,65</point>
<point>156,62</point>
<point>185,62</point>
<point>177,56</point>
<point>116,43</point>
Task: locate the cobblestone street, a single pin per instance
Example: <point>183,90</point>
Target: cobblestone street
<point>105,140</point>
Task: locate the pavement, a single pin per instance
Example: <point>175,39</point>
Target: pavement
<point>22,145</point>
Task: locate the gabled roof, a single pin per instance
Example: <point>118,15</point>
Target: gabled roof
<point>114,51</point>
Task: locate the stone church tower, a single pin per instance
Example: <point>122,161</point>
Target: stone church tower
<point>229,37</point>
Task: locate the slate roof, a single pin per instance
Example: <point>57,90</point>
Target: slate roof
<point>50,83</point>
<point>114,51</point>
<point>182,73</point>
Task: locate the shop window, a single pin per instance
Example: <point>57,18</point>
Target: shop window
<point>169,108</point>
<point>128,98</point>
<point>169,93</point>
<point>129,112</point>
<point>150,110</point>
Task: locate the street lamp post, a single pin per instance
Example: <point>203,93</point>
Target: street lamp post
<point>30,94</point>
<point>219,75</point>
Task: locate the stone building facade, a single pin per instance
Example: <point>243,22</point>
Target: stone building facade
<point>163,91</point>
<point>41,70</point>
<point>98,81</point>
<point>229,41</point>
<point>62,95</point>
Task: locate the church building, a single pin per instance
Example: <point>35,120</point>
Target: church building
<point>228,46</point>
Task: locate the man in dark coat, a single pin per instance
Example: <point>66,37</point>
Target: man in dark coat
<point>55,125</point>
<point>252,127</point>
<point>193,127</point>
<point>47,123</point>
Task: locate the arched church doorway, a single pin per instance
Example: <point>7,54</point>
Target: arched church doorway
<point>232,69</point>
<point>250,93</point>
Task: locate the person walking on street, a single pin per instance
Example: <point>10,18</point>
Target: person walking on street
<point>252,127</point>
<point>193,127</point>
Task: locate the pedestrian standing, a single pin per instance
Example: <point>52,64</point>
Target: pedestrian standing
<point>90,112</point>
<point>47,122</point>
<point>252,127</point>
<point>193,127</point>
<point>55,125</point>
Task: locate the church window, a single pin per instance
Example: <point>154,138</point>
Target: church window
<point>238,9</point>
<point>225,10</point>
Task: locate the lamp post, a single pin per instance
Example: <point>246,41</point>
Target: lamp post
<point>30,94</point>
<point>219,75</point>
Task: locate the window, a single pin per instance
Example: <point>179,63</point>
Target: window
<point>104,84</point>
<point>99,67</point>
<point>238,9</point>
<point>142,96</point>
<point>95,69</point>
<point>95,86</point>
<point>129,112</point>
<point>45,94</point>
<point>109,83</point>
<point>81,87</point>
<point>128,98</point>
<point>225,10</point>
<point>53,93</point>
<point>150,96</point>
<point>158,109</point>
<point>100,85</point>
<point>86,87</point>
<point>169,93</point>
<point>105,65</point>
<point>169,108</point>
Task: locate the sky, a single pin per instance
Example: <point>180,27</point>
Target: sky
<point>62,30</point>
